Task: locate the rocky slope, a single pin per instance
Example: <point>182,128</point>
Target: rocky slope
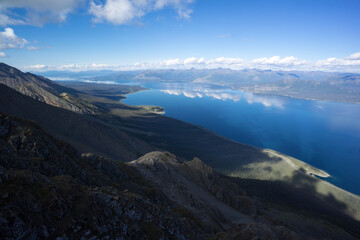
<point>86,132</point>
<point>44,90</point>
<point>49,191</point>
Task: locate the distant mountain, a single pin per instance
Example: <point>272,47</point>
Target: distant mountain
<point>71,74</point>
<point>340,90</point>
<point>248,76</point>
<point>343,87</point>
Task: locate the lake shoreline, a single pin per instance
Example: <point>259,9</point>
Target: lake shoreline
<point>269,121</point>
<point>311,171</point>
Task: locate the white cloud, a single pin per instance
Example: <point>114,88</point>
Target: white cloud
<point>201,62</point>
<point>277,60</point>
<point>275,63</point>
<point>194,60</point>
<point>8,39</point>
<point>171,62</point>
<point>114,11</point>
<point>2,54</point>
<point>38,12</point>
<point>124,11</point>
<point>6,20</point>
<point>37,67</point>
<point>218,62</point>
<point>350,64</point>
<point>72,67</point>
<point>355,56</point>
<point>32,48</point>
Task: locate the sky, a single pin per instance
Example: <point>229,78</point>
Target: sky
<point>76,35</point>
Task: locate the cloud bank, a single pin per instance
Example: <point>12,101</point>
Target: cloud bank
<point>40,12</point>
<point>348,64</point>
<point>37,12</point>
<point>124,11</point>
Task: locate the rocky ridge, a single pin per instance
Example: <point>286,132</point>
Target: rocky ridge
<point>44,90</point>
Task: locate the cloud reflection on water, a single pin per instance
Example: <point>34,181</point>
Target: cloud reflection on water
<point>226,94</point>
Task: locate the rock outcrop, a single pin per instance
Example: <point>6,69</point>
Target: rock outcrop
<point>195,186</point>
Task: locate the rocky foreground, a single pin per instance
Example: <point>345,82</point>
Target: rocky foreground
<point>49,191</point>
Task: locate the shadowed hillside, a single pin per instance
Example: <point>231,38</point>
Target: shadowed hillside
<point>124,133</point>
<point>47,189</point>
<point>87,133</point>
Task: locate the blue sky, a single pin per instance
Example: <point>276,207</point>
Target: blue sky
<point>132,34</point>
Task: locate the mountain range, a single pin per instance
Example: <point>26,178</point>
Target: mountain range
<point>331,86</point>
<point>78,164</point>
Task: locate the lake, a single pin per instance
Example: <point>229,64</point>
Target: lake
<point>323,134</point>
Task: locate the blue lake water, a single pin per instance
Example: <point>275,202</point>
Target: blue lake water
<point>323,134</point>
